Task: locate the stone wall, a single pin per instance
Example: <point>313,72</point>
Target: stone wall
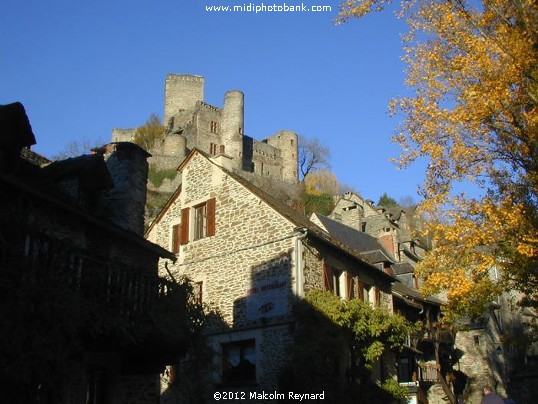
<point>315,253</point>
<point>477,347</point>
<point>252,249</point>
<point>182,91</point>
<point>216,130</point>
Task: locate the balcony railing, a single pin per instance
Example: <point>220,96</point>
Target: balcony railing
<point>428,372</point>
<point>113,287</point>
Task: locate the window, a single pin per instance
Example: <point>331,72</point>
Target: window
<point>239,362</point>
<point>214,126</point>
<point>355,288</point>
<point>202,223</point>
<point>333,280</point>
<point>372,295</point>
<point>377,296</point>
<point>337,275</point>
<point>476,340</point>
<point>213,149</point>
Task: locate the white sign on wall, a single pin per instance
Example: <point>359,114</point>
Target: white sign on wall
<point>267,298</point>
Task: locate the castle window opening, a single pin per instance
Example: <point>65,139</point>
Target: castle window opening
<point>240,130</point>
<point>214,127</point>
<point>213,148</point>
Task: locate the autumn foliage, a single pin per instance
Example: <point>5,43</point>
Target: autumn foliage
<point>473,115</point>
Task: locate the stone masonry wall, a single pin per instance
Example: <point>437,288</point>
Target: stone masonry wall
<point>477,348</point>
<point>201,125</point>
<point>252,246</point>
<point>313,272</point>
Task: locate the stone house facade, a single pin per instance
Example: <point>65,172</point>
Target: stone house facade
<point>251,256</point>
<point>80,285</point>
<point>408,302</point>
<point>489,350</point>
<point>192,123</point>
<point>395,228</point>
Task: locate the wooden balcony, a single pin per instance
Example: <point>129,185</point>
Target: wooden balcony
<point>110,288</point>
<point>428,372</point>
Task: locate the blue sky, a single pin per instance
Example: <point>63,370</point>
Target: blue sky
<point>83,68</point>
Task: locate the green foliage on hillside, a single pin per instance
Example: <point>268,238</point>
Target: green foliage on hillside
<point>147,135</point>
<point>322,204</point>
<point>156,177</point>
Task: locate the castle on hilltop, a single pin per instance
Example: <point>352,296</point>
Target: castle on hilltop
<point>193,124</point>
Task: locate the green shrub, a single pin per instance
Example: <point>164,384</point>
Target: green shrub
<point>156,177</point>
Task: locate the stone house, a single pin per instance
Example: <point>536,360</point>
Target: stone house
<point>395,227</point>
<point>251,256</point>
<point>420,348</point>
<point>490,349</point>
<point>81,296</point>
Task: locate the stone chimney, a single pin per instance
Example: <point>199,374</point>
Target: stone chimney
<point>125,203</point>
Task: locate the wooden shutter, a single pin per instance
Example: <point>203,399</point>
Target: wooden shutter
<point>327,278</point>
<point>360,290</point>
<point>184,239</point>
<point>211,205</point>
<point>349,284</point>
<point>176,238</point>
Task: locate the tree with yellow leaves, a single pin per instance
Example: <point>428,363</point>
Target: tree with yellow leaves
<point>473,69</point>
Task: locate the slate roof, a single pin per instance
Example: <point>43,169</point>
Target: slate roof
<point>90,170</point>
<point>297,218</point>
<point>16,134</point>
<point>411,293</point>
<point>363,243</point>
<point>402,268</point>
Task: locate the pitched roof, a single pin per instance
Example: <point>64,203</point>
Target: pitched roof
<point>359,241</point>
<point>414,294</point>
<point>401,268</point>
<point>295,217</point>
<point>90,170</point>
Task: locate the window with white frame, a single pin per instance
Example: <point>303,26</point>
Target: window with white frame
<point>199,221</point>
<point>239,362</point>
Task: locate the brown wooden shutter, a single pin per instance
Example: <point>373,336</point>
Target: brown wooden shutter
<point>360,290</point>
<point>176,238</point>
<point>327,278</point>
<point>211,205</point>
<point>349,284</point>
<point>184,239</point>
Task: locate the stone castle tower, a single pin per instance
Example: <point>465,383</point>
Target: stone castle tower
<point>191,123</point>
